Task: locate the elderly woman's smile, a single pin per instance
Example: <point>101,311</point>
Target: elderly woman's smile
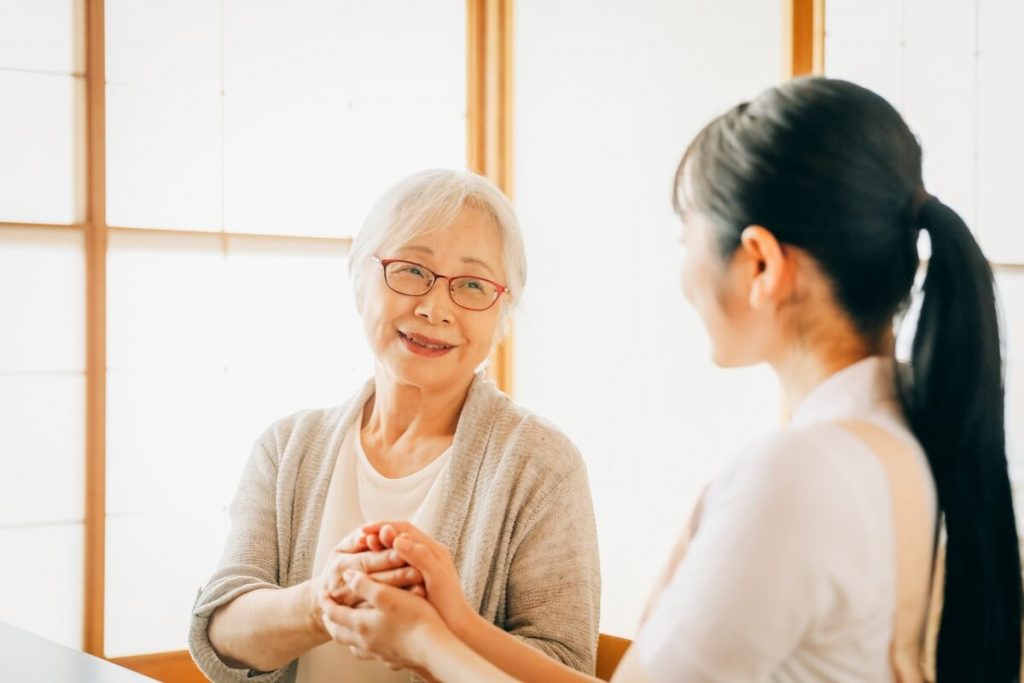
<point>425,346</point>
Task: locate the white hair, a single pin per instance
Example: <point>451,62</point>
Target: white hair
<point>429,201</point>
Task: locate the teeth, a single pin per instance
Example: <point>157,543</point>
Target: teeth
<point>435,347</point>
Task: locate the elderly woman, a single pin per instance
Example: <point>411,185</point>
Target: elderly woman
<point>436,269</point>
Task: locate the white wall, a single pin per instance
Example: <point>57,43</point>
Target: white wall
<point>607,96</point>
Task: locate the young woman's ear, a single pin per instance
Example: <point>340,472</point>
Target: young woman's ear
<point>770,268</point>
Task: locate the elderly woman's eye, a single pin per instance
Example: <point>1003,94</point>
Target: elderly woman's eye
<point>410,269</point>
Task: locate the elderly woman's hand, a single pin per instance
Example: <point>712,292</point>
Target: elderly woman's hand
<point>354,552</point>
<point>434,563</point>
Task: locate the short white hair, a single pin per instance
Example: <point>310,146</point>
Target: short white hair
<point>429,201</point>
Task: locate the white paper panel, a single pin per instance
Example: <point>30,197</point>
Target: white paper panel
<point>164,156</point>
<point>940,97</point>
<point>165,442</point>
<point>296,340</point>
<point>662,420</point>
<point>308,37</point>
<point>1001,137</point>
<point>42,300</point>
<point>284,150</point>
<point>42,142</point>
<point>291,306</point>
<point>389,145</point>
<point>43,35</point>
<point>43,432</point>
<point>863,44</point>
<point>165,302</point>
<point>388,83</point>
<point>380,54</point>
<point>352,98</point>
<point>1011,291</point>
<point>42,592</point>
<point>156,40</point>
<point>155,566</point>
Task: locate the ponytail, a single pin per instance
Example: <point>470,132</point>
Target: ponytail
<point>953,398</point>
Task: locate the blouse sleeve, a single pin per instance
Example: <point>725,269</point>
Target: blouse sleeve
<point>753,581</point>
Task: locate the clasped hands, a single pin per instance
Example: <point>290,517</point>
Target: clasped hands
<point>390,593</point>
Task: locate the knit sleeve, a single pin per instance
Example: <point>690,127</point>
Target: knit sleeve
<point>249,562</point>
<point>554,582</point>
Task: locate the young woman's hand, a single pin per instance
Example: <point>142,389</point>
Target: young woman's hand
<point>434,562</point>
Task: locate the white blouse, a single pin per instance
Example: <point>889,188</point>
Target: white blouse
<point>792,576</point>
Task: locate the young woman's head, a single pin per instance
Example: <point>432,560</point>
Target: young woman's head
<point>801,213</point>
<point>807,197</point>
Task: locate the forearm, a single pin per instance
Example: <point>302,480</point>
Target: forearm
<point>451,660</point>
<point>512,655</point>
<point>266,629</point>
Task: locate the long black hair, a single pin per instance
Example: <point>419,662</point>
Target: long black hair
<point>832,168</point>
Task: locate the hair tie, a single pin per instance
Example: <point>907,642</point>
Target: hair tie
<point>919,199</point>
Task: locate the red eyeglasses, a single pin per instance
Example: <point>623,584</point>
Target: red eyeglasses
<point>414,279</point>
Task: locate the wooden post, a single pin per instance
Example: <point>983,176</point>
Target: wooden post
<point>489,25</point>
<point>803,37</point>
<point>95,330</point>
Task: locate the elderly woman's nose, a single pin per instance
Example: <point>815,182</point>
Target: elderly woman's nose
<point>436,305</point>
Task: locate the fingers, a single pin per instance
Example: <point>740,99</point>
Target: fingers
<point>344,624</point>
<point>399,527</point>
<point>365,588</point>
<point>403,577</point>
<point>387,535</point>
<point>419,590</point>
<point>373,540</point>
<point>366,562</point>
<point>354,542</point>
<point>372,562</point>
<point>362,654</point>
<point>419,556</point>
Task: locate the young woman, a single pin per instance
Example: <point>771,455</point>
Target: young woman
<point>811,557</point>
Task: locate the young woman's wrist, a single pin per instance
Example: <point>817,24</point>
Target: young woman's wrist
<point>466,623</point>
<point>431,646</point>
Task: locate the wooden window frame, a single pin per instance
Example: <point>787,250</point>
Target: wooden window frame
<point>489,137</point>
<point>803,38</point>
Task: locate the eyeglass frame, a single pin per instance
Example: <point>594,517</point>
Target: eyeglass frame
<point>384,263</point>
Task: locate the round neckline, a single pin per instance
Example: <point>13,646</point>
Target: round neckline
<point>423,473</point>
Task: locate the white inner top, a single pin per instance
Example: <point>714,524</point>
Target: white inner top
<point>358,494</point>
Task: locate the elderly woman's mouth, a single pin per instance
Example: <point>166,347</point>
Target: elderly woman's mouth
<point>425,346</point>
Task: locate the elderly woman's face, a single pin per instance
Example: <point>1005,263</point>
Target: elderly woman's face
<point>428,341</point>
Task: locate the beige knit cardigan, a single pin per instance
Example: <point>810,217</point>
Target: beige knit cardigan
<point>517,516</point>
